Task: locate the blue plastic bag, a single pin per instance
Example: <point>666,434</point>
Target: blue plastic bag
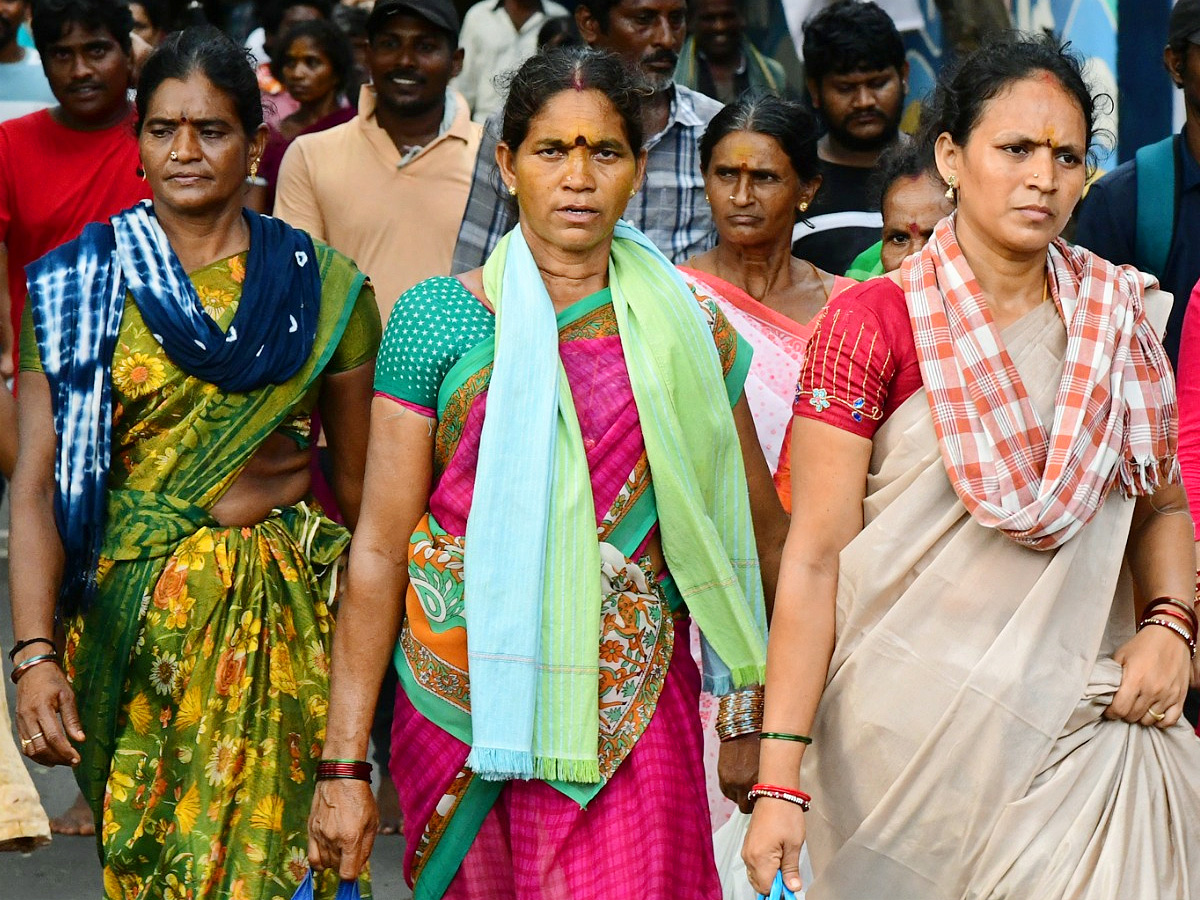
<point>779,890</point>
<point>347,890</point>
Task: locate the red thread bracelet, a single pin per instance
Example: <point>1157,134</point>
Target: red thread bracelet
<point>776,792</point>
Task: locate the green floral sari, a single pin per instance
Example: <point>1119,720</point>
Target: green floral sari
<point>202,668</point>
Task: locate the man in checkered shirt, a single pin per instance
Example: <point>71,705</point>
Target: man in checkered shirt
<point>670,208</point>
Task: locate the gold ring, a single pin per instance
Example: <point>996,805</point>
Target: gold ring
<point>25,742</point>
<point>1158,717</point>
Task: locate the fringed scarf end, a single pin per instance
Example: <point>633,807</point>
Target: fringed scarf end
<point>494,764</point>
<point>575,771</point>
<point>1143,477</point>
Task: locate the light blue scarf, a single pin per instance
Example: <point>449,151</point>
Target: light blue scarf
<point>532,562</point>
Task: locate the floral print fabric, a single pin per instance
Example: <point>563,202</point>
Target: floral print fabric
<point>202,668</point>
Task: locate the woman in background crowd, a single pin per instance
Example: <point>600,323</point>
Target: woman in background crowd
<point>759,159</point>
<point>319,73</point>
<point>985,452</point>
<point>171,362</point>
<point>913,200</point>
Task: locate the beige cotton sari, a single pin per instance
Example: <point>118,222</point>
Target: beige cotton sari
<point>23,822</point>
<point>960,748</point>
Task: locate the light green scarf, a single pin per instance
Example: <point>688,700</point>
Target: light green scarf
<point>703,510</point>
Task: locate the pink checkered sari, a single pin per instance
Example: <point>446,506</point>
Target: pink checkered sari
<point>1115,415</point>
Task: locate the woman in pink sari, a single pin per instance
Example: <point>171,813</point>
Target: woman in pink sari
<point>759,158</point>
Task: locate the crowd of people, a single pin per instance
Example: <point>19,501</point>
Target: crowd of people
<point>345,356</point>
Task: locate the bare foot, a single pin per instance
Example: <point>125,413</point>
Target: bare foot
<point>389,806</point>
<point>76,820</point>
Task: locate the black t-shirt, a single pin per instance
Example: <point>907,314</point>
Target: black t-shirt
<point>843,220</point>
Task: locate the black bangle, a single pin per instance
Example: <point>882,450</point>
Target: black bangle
<point>21,645</point>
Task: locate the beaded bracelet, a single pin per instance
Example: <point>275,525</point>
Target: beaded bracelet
<point>775,792</point>
<point>784,736</point>
<point>1187,638</point>
<point>1172,603</point>
<point>28,664</point>
<point>740,713</point>
<point>331,769</point>
<point>21,645</point>
<point>1174,614</point>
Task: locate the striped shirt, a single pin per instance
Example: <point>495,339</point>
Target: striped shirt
<point>670,209</point>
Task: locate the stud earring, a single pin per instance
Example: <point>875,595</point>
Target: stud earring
<point>632,192</point>
<point>803,206</point>
<point>512,191</point>
<point>952,190</point>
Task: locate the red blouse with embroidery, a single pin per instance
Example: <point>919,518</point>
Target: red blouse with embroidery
<point>861,362</point>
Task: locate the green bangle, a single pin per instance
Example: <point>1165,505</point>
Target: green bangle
<point>344,761</point>
<point>783,736</point>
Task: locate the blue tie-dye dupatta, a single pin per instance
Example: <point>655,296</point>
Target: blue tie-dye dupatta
<point>77,298</point>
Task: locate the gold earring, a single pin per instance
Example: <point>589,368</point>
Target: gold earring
<point>803,206</point>
<point>952,190</point>
<point>632,192</point>
<point>512,190</point>
<point>254,168</point>
<point>706,197</point>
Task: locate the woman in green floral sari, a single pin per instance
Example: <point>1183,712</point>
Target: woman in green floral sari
<point>171,360</point>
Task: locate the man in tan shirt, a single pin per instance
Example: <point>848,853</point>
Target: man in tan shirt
<point>389,187</point>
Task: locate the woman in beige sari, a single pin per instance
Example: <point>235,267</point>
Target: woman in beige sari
<point>989,481</point>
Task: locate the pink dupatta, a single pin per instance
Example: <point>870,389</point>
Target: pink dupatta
<point>779,344</point>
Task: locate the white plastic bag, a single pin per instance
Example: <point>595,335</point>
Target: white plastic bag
<point>727,847</point>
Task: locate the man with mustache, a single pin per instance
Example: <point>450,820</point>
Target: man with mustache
<point>77,162</point>
<point>670,208</point>
<point>857,78</point>
<point>65,167</point>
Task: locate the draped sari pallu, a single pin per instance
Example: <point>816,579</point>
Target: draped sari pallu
<point>640,679</point>
<point>779,344</point>
<point>201,668</point>
<point>973,674</point>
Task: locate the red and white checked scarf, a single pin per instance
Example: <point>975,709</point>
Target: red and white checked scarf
<point>1115,415</point>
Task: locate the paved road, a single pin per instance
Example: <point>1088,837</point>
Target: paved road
<point>68,869</point>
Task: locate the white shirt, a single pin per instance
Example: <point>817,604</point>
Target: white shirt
<point>492,46</point>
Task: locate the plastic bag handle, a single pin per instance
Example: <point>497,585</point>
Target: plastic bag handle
<point>779,890</point>
<point>347,890</point>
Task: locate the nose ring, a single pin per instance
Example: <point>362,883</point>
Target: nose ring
<point>175,156</point>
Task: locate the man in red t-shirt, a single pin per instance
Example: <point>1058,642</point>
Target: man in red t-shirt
<point>65,167</point>
<point>77,162</point>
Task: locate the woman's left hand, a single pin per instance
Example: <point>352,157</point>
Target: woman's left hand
<point>737,769</point>
<point>1154,682</point>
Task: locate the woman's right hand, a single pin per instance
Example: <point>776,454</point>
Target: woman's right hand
<point>46,716</point>
<point>773,844</point>
<point>342,826</point>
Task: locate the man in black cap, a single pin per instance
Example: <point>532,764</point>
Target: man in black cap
<point>405,159</point>
<point>1146,212</point>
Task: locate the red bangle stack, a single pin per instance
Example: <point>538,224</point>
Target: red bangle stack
<point>329,769</point>
<point>776,792</point>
